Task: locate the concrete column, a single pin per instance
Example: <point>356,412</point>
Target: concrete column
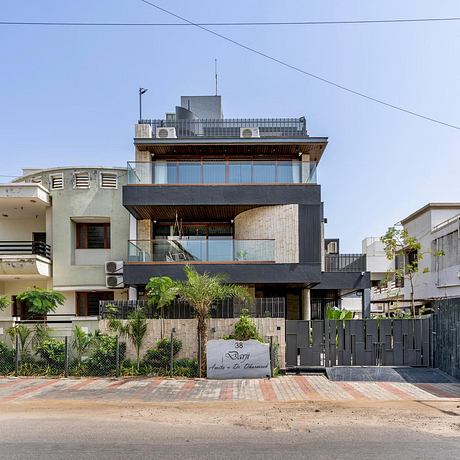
<point>306,304</point>
<point>366,303</point>
<point>132,293</point>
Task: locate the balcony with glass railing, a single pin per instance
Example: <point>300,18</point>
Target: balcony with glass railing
<point>202,172</point>
<point>201,250</point>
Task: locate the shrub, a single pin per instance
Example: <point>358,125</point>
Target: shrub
<point>245,329</point>
<point>102,360</point>
<point>160,356</point>
<point>185,367</point>
<point>52,352</point>
<point>7,359</point>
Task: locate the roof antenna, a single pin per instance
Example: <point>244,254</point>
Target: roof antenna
<point>215,72</point>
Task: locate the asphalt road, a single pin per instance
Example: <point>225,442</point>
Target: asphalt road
<point>57,438</point>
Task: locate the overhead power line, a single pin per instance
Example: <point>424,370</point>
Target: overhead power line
<point>250,23</point>
<point>298,69</point>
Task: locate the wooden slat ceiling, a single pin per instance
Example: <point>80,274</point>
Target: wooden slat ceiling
<point>189,213</point>
<point>234,150</point>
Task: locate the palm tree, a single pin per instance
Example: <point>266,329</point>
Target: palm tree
<point>201,291</point>
<point>81,342</point>
<point>161,291</point>
<point>135,330</point>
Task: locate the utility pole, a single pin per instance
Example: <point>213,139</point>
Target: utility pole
<point>141,92</point>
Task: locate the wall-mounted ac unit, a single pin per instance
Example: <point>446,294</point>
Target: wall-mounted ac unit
<point>114,281</point>
<point>249,133</point>
<point>166,133</point>
<point>113,267</point>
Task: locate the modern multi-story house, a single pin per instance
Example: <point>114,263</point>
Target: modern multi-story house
<point>58,227</point>
<point>436,227</point>
<point>235,196</point>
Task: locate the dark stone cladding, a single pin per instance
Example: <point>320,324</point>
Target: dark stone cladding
<point>262,195</point>
<point>300,274</point>
<point>344,280</point>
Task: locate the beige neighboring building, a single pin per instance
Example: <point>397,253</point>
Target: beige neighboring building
<point>58,227</point>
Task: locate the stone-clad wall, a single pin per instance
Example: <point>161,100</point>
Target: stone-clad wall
<point>186,332</point>
<point>280,223</point>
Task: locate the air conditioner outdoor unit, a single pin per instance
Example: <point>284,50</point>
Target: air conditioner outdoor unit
<point>166,133</point>
<point>249,132</point>
<point>113,267</point>
<point>114,281</point>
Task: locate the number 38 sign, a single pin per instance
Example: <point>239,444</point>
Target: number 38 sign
<point>231,359</point>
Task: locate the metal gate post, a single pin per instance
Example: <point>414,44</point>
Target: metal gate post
<point>66,357</point>
<point>16,372</point>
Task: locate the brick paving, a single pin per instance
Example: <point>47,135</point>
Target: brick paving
<point>284,388</point>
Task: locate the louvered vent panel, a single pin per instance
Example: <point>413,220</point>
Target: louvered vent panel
<point>57,181</point>
<point>81,180</point>
<point>109,180</point>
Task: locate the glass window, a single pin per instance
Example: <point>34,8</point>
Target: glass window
<point>93,236</point>
<point>264,172</point>
<point>285,172</point>
<point>214,172</point>
<point>172,173</point>
<point>189,173</point>
<point>239,172</point>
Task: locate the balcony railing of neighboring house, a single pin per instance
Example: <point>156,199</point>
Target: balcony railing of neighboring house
<point>38,248</point>
<point>345,263</point>
<point>192,250</point>
<point>231,127</point>
<point>265,307</point>
<point>215,172</point>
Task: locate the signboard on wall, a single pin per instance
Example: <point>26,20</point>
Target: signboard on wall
<point>232,359</point>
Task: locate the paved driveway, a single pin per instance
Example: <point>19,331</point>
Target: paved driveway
<point>284,388</point>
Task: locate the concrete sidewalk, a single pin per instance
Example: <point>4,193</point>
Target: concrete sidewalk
<point>284,388</point>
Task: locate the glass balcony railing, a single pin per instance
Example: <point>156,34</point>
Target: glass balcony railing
<point>222,172</point>
<point>200,250</point>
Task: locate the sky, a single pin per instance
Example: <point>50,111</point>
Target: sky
<point>68,96</point>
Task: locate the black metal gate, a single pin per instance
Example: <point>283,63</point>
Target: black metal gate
<point>370,342</point>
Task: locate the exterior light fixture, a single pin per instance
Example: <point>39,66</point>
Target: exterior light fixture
<point>141,92</point>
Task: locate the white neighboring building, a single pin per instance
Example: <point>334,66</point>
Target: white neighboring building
<point>436,227</point>
<point>58,227</point>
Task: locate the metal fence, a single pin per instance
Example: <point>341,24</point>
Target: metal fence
<point>265,307</point>
<point>27,351</point>
<point>345,263</point>
<point>230,127</point>
<point>446,336</point>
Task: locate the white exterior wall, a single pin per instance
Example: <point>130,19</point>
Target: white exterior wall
<point>73,270</point>
<point>433,284</point>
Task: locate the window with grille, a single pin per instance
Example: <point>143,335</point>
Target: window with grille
<point>93,236</point>
<point>109,180</point>
<point>81,180</point>
<point>56,181</point>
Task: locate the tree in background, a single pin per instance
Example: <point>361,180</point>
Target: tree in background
<point>201,291</point>
<point>399,244</point>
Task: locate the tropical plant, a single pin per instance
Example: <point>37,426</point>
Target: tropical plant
<point>245,328</point>
<point>24,335</point>
<point>335,313</point>
<point>135,329</point>
<point>41,301</point>
<point>185,367</point>
<point>5,301</point>
<point>161,291</point>
<point>399,244</point>
<point>81,341</point>
<point>201,290</point>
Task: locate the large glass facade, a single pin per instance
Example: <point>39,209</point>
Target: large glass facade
<point>222,172</point>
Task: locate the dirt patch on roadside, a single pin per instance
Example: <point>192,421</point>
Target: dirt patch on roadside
<point>440,417</point>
